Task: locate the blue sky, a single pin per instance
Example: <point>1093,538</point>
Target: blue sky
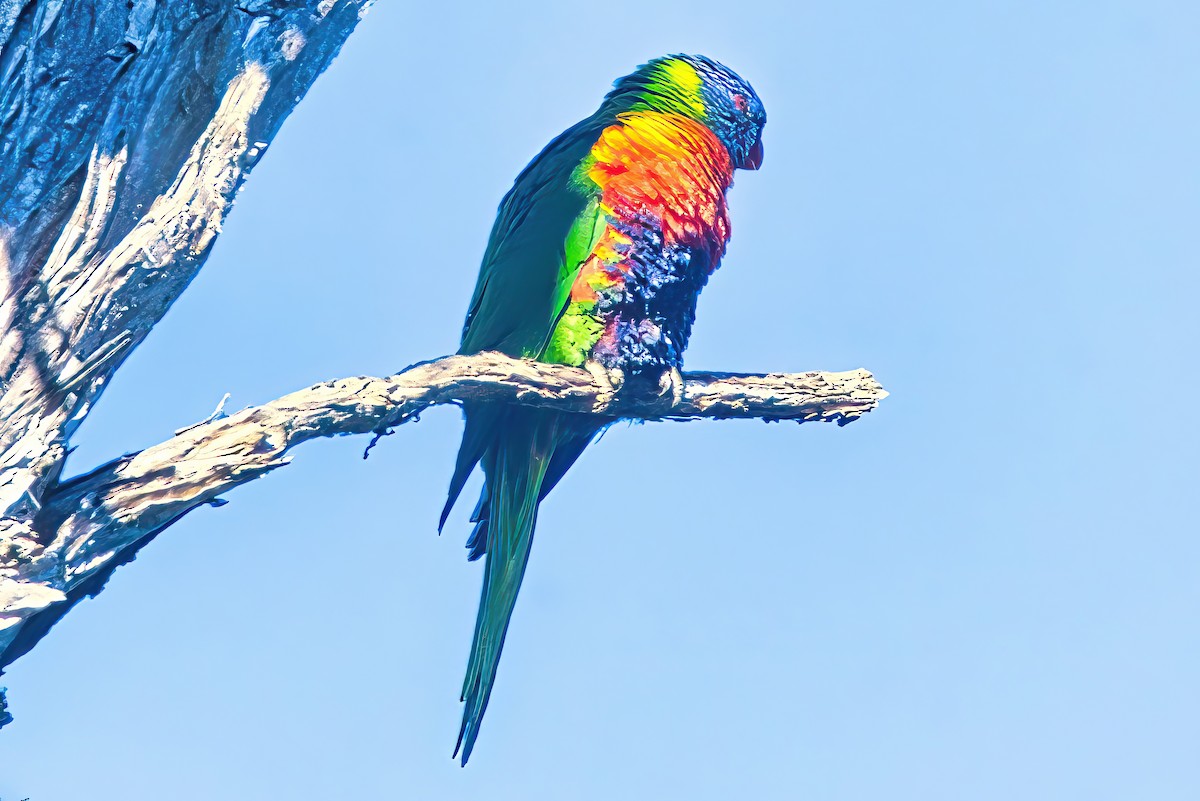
<point>986,590</point>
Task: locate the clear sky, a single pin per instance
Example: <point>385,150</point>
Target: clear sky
<point>986,590</point>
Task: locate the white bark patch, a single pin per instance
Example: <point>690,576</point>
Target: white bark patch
<point>291,42</point>
<point>17,599</point>
<point>72,261</point>
<point>184,220</point>
<point>9,338</point>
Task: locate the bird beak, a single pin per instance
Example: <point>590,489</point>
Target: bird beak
<point>754,158</point>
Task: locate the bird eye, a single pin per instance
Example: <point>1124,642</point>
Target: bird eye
<point>741,103</point>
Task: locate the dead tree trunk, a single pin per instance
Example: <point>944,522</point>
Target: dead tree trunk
<point>126,128</point>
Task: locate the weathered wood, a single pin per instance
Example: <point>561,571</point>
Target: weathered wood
<point>126,129</point>
<point>94,522</point>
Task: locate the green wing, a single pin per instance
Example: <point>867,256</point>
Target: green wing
<point>546,226</point>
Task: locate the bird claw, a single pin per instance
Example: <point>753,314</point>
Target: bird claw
<point>610,381</point>
<point>671,381</point>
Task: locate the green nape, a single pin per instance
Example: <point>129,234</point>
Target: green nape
<point>673,87</point>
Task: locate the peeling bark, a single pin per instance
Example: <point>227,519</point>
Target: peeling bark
<point>126,129</point>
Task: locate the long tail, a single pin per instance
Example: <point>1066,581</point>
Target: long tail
<point>527,454</point>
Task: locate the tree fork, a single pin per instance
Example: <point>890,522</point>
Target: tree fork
<point>126,129</point>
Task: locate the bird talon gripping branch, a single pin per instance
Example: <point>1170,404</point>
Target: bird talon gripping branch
<point>671,381</point>
<point>610,381</point>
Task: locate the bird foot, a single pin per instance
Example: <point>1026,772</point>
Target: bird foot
<point>609,379</point>
<point>671,381</point>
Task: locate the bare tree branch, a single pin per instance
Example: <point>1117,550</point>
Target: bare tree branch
<point>91,523</point>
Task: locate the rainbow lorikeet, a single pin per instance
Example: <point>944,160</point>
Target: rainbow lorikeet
<point>596,259</point>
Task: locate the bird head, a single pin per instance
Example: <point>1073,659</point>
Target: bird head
<point>703,90</point>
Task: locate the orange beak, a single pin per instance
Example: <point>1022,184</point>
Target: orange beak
<point>754,158</point>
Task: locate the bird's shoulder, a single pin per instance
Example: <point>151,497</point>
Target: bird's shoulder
<point>528,253</point>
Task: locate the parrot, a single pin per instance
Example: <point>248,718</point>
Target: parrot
<point>596,260</point>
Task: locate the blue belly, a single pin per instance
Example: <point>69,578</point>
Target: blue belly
<point>651,313</point>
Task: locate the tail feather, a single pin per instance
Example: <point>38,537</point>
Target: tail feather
<point>477,433</point>
<point>515,466</point>
<point>524,454</point>
<point>477,542</point>
<point>571,444</point>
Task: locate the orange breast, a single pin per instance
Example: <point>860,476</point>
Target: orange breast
<point>668,167</point>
